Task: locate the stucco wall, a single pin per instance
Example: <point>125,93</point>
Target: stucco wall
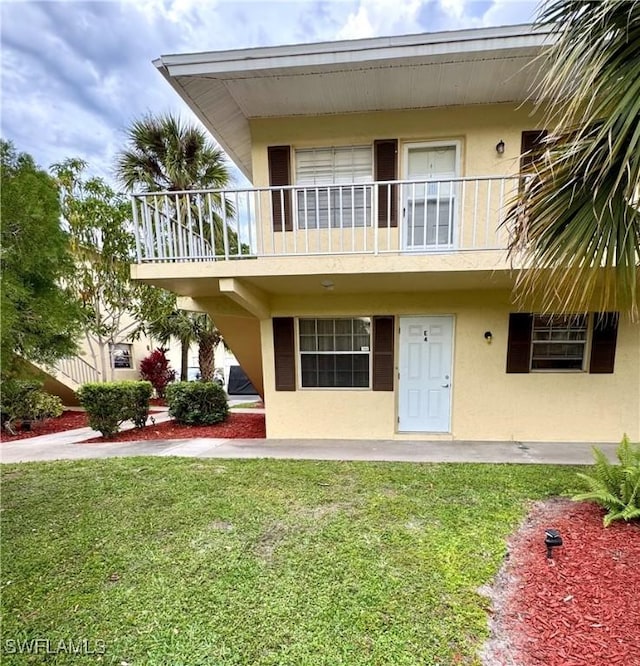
<point>487,403</point>
<point>478,128</point>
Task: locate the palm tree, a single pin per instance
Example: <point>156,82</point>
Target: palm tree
<point>175,324</point>
<point>576,225</point>
<point>166,154</point>
<point>189,328</point>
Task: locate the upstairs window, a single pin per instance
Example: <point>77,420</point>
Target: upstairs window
<point>335,353</point>
<point>331,193</point>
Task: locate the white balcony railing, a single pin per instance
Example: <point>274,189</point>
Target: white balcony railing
<point>452,215</point>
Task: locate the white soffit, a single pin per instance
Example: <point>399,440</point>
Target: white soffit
<point>227,88</point>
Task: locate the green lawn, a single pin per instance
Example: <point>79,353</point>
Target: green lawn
<point>188,562</point>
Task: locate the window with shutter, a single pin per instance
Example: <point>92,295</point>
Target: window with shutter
<point>540,342</point>
<point>332,191</point>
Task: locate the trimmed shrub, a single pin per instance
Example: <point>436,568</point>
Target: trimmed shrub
<point>109,404</point>
<point>24,401</point>
<point>156,369</point>
<point>615,487</point>
<point>197,403</point>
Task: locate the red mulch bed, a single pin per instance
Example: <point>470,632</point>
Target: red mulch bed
<point>237,426</point>
<point>581,608</point>
<point>66,421</point>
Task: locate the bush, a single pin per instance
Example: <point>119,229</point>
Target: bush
<point>109,404</point>
<point>24,401</point>
<point>155,368</point>
<point>615,487</point>
<point>197,403</point>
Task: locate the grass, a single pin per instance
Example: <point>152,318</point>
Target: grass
<point>246,405</point>
<point>193,562</point>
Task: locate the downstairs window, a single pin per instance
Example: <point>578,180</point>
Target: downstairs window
<point>558,342</point>
<point>335,353</point>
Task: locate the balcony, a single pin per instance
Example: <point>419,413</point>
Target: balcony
<point>416,217</point>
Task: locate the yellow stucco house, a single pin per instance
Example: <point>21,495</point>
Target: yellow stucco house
<point>362,281</point>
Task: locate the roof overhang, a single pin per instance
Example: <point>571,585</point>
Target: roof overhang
<point>226,89</point>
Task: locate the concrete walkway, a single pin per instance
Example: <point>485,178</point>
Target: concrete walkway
<point>67,446</point>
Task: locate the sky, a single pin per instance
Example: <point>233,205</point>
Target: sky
<point>75,74</point>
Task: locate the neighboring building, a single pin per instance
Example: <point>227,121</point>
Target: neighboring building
<point>363,282</point>
<point>122,363</point>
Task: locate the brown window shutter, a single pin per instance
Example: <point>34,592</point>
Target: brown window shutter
<point>284,352</point>
<point>603,343</point>
<point>383,328</point>
<point>280,175</point>
<point>530,144</point>
<point>386,168</point>
<point>519,343</point>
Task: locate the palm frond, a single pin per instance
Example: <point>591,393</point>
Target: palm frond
<point>576,225</point>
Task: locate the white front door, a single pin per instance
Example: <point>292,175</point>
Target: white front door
<point>424,397</point>
<point>429,209</point>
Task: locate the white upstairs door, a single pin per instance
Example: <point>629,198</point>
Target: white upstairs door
<point>429,208</point>
<point>424,395</point>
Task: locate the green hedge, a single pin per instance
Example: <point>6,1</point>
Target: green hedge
<point>25,401</point>
<point>197,403</point>
<point>109,404</point>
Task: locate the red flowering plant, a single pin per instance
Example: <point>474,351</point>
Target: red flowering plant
<point>156,369</point>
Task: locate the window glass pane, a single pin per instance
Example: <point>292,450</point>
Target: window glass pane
<point>325,326</point>
<point>344,343</point>
<point>308,326</point>
<point>343,326</point>
<point>326,343</point>
<point>362,326</point>
<point>361,343</point>
<point>558,342</point>
<point>308,343</point>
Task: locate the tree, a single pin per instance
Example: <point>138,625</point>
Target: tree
<point>165,154</point>
<point>164,321</point>
<point>40,318</point>
<point>102,246</point>
<point>188,328</point>
<point>577,221</point>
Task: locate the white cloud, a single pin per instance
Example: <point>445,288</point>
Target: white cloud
<point>381,17</point>
<point>454,8</point>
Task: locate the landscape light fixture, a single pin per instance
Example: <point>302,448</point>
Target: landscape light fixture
<point>552,539</point>
<point>500,147</point>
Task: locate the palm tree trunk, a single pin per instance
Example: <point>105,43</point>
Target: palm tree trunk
<point>206,361</point>
<point>184,360</point>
